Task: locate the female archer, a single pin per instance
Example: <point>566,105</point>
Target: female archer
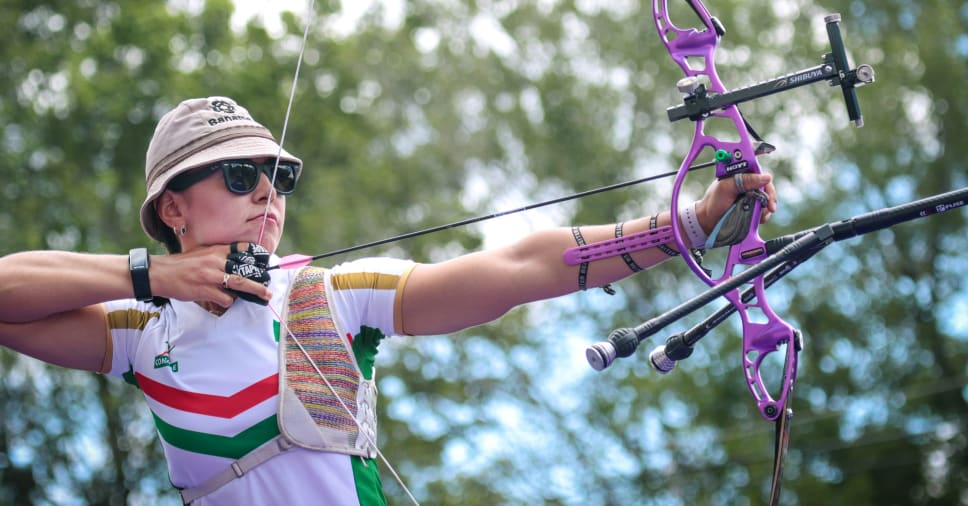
<point>276,387</point>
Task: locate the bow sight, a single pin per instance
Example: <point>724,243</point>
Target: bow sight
<point>699,103</point>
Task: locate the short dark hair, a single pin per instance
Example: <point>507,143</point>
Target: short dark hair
<point>169,240</point>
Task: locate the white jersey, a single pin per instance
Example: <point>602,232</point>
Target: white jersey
<point>212,382</point>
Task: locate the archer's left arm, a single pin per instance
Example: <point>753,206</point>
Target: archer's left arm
<point>480,287</point>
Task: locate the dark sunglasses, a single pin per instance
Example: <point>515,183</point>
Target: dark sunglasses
<point>242,176</point>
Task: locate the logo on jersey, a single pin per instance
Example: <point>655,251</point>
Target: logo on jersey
<point>164,359</point>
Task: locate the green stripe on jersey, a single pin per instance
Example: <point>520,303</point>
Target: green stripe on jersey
<point>365,346</point>
<point>231,447</point>
<point>369,488</point>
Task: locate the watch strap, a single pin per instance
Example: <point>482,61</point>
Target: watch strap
<point>138,264</point>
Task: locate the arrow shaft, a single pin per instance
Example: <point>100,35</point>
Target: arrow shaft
<point>478,219</point>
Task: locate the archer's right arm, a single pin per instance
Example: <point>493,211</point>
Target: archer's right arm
<point>50,301</point>
<point>39,284</point>
<point>50,305</point>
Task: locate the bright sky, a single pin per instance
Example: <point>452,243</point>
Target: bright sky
<point>351,10</point>
<point>267,11</point>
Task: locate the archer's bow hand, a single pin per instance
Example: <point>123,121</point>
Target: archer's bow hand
<point>724,193</point>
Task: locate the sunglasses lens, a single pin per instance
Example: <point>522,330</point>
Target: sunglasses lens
<point>241,177</point>
<point>286,177</point>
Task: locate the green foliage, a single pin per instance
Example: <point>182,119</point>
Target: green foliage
<point>447,110</point>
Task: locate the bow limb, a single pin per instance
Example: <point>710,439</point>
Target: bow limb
<point>694,49</point>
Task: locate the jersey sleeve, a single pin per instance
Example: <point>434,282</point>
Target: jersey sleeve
<point>126,321</point>
<point>367,293</point>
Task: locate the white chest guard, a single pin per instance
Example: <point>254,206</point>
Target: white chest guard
<point>325,404</point>
<point>324,401</point>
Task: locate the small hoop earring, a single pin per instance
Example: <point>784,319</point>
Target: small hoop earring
<point>182,230</point>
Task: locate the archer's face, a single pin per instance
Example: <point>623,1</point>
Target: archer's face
<point>214,215</point>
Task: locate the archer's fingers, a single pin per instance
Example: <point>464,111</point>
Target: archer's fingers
<point>771,202</point>
<point>765,182</point>
<point>241,284</point>
<point>753,181</point>
<point>771,193</point>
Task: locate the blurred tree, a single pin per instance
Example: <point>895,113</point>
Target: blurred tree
<point>424,112</point>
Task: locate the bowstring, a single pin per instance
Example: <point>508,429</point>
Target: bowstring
<point>262,229</point>
<point>285,120</point>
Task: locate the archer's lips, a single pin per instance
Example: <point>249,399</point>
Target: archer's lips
<point>269,218</point>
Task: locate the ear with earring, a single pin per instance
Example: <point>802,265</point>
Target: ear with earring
<point>180,231</point>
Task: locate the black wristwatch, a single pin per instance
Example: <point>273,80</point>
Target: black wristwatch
<point>138,263</point>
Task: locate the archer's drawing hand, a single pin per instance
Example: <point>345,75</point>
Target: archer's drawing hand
<point>200,275</point>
